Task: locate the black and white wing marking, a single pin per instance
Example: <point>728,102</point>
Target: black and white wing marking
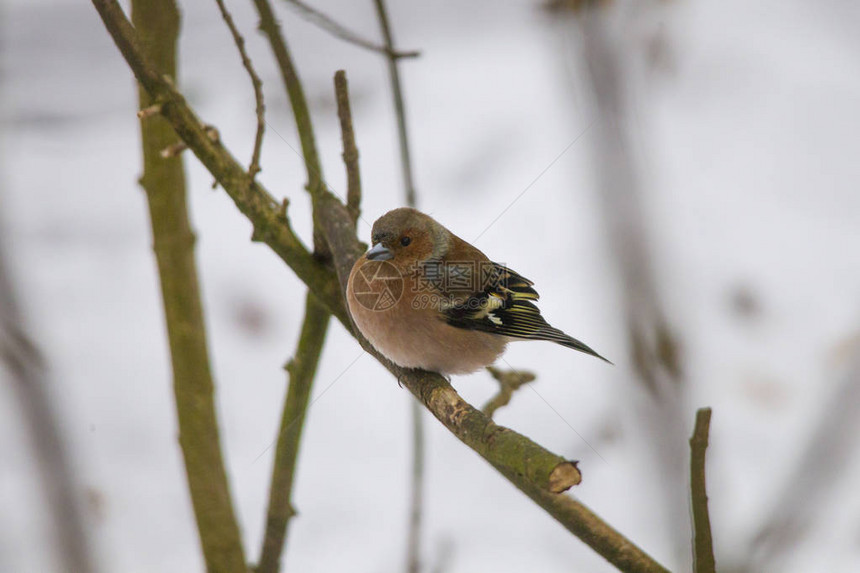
<point>504,307</point>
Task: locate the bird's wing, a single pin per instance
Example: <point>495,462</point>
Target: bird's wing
<point>504,306</point>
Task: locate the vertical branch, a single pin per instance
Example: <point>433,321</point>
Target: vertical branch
<point>23,362</point>
<point>260,111</point>
<point>350,151</point>
<point>157,23</point>
<point>394,73</point>
<point>703,549</point>
<point>302,370</point>
<point>416,497</point>
<point>413,547</point>
<point>269,26</point>
<point>292,84</point>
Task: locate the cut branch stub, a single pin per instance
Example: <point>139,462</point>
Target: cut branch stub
<point>509,452</point>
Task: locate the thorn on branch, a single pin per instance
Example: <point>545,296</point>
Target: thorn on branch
<point>173,150</point>
<point>212,133</point>
<point>150,111</point>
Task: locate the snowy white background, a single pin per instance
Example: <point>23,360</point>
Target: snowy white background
<point>748,135</point>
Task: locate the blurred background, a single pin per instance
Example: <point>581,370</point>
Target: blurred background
<point>679,175</point>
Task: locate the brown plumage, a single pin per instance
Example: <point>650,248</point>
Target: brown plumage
<point>426,298</point>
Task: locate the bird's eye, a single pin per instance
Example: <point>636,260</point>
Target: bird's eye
<point>404,241</point>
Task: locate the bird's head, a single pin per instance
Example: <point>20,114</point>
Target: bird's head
<point>407,237</point>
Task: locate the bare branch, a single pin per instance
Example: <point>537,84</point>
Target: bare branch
<point>350,151</point>
<point>703,548</point>
<point>416,494</point>
<point>509,382</point>
<point>302,369</point>
<point>405,158</point>
<point>157,22</point>
<point>337,30</point>
<point>254,167</point>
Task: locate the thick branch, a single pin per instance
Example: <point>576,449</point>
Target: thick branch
<point>157,23</point>
<point>254,167</point>
<point>302,369</point>
<point>703,549</point>
<point>534,470</point>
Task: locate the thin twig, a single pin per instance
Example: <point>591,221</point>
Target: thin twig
<point>303,366</point>
<point>536,471</point>
<point>405,157</point>
<point>416,494</point>
<point>703,548</point>
<point>254,167</point>
<point>157,22</point>
<point>509,382</point>
<point>350,150</point>
<point>302,369</point>
<point>337,30</point>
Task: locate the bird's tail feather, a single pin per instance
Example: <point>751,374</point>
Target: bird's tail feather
<point>555,335</point>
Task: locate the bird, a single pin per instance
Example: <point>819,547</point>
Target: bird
<point>425,298</point>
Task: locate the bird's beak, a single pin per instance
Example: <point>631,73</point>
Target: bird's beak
<point>379,253</point>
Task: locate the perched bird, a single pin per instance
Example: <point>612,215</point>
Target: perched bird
<point>425,298</point>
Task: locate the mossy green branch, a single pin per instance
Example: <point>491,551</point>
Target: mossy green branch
<point>302,370</point>
<point>157,23</point>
